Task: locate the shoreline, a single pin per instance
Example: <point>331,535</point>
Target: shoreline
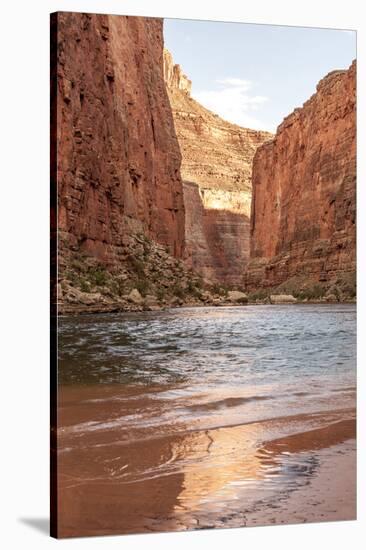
<point>286,470</point>
<point>117,308</point>
<point>156,506</point>
<point>330,496</point>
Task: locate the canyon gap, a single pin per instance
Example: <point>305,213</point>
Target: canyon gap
<point>216,171</point>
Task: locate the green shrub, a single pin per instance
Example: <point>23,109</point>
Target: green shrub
<point>160,293</point>
<point>72,277</point>
<point>147,244</point>
<point>351,291</point>
<point>137,266</point>
<point>178,291</point>
<point>258,295</point>
<point>318,291</point>
<point>219,289</point>
<point>142,286</point>
<point>78,265</point>
<point>84,286</point>
<point>196,293</point>
<point>347,284</point>
<point>314,292</point>
<point>117,287</point>
<point>97,276</point>
<point>193,290</point>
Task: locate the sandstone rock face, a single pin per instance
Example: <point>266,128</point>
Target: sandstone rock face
<point>216,169</point>
<point>135,297</point>
<point>118,155</point>
<point>217,238</point>
<point>236,296</point>
<point>174,76</point>
<point>304,191</point>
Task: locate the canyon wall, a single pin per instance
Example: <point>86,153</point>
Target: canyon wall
<point>118,171</point>
<point>217,232</point>
<point>304,191</point>
<point>216,170</point>
<point>117,205</point>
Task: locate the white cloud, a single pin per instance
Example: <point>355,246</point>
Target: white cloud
<point>237,82</point>
<point>233,101</point>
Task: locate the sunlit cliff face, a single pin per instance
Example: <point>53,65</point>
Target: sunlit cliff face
<point>174,75</point>
<point>237,202</point>
<point>303,219</point>
<point>217,232</point>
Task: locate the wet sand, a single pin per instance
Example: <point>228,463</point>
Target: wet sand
<point>329,496</point>
<point>119,474</point>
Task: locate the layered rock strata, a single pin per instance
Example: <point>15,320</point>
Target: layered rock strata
<point>304,193</point>
<point>216,169</point>
<point>118,156</point>
<point>116,168</point>
<point>217,232</point>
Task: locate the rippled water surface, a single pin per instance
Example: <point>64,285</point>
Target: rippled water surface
<point>248,344</point>
<point>218,358</point>
<point>199,401</point>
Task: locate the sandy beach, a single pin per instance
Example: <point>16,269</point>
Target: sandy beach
<point>283,470</point>
<point>329,496</point>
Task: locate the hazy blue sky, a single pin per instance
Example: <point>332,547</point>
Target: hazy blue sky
<point>255,75</point>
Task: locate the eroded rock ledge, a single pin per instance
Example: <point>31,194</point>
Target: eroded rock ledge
<point>147,278</point>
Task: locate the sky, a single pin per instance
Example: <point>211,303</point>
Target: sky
<point>255,75</point>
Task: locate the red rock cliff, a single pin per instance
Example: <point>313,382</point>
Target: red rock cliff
<point>118,155</point>
<point>216,170</point>
<point>304,190</point>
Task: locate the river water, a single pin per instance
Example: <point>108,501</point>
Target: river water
<point>196,417</point>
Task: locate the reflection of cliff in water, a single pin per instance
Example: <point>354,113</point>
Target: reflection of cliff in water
<point>217,462</point>
<point>156,480</point>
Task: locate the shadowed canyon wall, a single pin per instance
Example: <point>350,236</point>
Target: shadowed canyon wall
<point>217,238</point>
<point>216,170</point>
<point>115,169</point>
<point>118,155</point>
<point>304,191</point>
